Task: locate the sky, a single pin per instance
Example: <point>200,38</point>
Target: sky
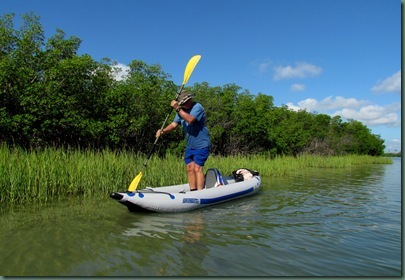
<point>332,57</point>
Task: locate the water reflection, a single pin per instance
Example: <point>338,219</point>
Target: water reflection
<point>154,226</point>
<point>193,230</point>
<point>338,222</point>
<point>343,209</point>
<point>349,187</point>
<point>177,241</point>
<point>185,226</point>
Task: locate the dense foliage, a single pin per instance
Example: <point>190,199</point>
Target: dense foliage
<point>52,96</point>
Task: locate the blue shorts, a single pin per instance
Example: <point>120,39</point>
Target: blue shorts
<point>199,156</point>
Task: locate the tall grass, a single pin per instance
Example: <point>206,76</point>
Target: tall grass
<point>39,176</point>
<point>284,165</point>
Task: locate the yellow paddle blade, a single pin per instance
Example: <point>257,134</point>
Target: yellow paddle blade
<point>135,182</point>
<point>190,67</point>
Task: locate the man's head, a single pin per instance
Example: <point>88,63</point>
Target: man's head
<point>184,97</point>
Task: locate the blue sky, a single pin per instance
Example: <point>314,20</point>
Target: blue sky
<point>335,57</point>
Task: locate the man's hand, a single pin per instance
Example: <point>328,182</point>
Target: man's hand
<point>174,104</point>
<point>159,133</point>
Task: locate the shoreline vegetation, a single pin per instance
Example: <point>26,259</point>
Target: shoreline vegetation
<point>49,174</point>
<point>51,95</point>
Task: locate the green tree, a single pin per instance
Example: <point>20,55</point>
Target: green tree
<point>318,144</point>
<point>290,131</point>
<point>219,103</point>
<point>362,141</point>
<point>20,58</point>
<point>50,95</point>
<point>245,131</point>
<point>138,105</point>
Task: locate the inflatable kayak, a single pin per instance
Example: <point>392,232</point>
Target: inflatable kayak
<point>179,198</point>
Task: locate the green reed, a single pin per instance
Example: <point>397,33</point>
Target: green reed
<point>41,176</point>
<point>284,165</point>
<point>50,173</point>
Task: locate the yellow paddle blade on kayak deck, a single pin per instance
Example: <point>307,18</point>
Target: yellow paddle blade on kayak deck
<point>135,182</point>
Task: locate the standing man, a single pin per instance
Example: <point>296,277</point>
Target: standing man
<point>191,116</point>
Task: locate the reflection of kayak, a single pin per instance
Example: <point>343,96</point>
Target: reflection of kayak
<point>179,198</point>
<point>161,225</point>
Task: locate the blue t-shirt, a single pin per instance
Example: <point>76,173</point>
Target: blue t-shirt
<point>197,135</point>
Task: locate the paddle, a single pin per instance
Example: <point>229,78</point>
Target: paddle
<point>192,63</point>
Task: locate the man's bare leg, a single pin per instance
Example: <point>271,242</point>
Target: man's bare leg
<point>199,176</point>
<point>195,175</point>
<point>192,181</point>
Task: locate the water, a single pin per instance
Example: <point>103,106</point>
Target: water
<point>338,222</point>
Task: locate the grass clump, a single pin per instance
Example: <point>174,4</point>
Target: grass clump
<point>41,176</point>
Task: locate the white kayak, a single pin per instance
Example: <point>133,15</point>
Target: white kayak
<point>179,198</point>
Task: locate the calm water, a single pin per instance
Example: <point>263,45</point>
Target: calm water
<point>344,222</point>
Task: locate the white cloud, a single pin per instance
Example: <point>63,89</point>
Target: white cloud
<point>393,145</point>
<point>390,84</point>
<point>330,103</point>
<point>301,70</point>
<point>263,67</point>
<point>351,108</point>
<point>297,87</point>
<point>370,115</point>
<point>120,72</point>
<point>293,107</point>
<point>309,104</point>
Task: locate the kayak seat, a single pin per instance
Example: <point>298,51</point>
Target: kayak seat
<point>213,178</point>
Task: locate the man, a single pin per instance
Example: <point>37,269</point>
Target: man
<point>191,116</point>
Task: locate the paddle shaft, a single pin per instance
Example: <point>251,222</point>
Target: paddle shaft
<point>187,73</point>
<point>163,126</point>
